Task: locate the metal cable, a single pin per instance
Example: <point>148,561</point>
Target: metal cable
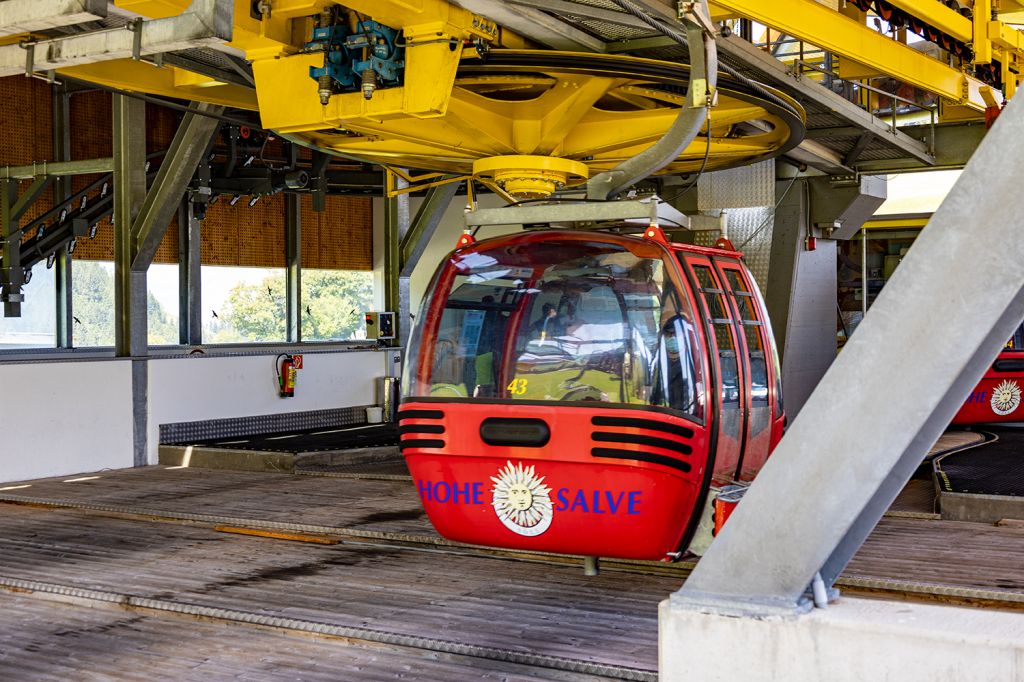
<point>669,31</point>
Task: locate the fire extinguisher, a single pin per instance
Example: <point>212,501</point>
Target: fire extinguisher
<point>286,374</point>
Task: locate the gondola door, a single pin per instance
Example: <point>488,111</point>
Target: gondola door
<point>726,348</point>
<point>755,344</point>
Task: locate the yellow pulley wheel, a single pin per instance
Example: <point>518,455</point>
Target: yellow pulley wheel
<point>529,177</point>
<point>583,113</point>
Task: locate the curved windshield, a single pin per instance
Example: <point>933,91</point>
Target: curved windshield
<point>558,320</point>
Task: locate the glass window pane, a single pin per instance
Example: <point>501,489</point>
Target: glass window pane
<point>716,303</point>
<point>92,300</point>
<point>744,299</point>
<point>37,326</point>
<point>162,282</point>
<point>333,303</point>
<point>572,321</point>
<point>243,305</point>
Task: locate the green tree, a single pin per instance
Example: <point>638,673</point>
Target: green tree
<point>93,308</point>
<point>93,304</point>
<point>255,312</point>
<point>333,302</point>
<point>332,306</point>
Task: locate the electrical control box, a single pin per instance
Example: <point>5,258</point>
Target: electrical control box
<point>380,326</point>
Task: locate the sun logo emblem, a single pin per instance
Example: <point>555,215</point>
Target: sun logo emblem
<point>521,500</point>
<point>1005,398</point>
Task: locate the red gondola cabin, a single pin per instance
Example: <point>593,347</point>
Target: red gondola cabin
<point>585,391</point>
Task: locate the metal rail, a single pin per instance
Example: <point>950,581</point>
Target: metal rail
<point>215,613</point>
<point>889,587</point>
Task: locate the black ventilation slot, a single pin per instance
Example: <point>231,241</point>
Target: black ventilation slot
<point>529,433</point>
<point>649,424</point>
<point>420,414</point>
<point>420,428</point>
<point>420,443</point>
<point>649,441</point>
<point>611,453</point>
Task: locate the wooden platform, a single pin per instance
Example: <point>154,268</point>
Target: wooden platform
<point>389,597</point>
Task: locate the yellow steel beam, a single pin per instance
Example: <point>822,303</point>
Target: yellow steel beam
<point>938,15</point>
<point>832,31</point>
<point>897,223</point>
<point>982,45</point>
<point>168,81</point>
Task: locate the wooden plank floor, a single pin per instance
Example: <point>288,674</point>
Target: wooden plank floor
<point>491,602</point>
<point>50,641</point>
<point>391,506</point>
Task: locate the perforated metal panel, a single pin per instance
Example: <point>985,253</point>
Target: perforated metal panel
<point>181,432</point>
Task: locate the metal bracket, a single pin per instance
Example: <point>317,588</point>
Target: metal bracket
<point>693,11</point>
<point>642,213</point>
<point>136,28</point>
<point>30,58</point>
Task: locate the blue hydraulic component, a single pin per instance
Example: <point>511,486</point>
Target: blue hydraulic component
<point>364,59</point>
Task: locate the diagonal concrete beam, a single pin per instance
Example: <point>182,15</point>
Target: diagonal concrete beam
<point>204,23</point>
<point>187,148</point>
<point>24,16</point>
<point>929,337</point>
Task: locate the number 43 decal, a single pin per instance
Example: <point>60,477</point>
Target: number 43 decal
<point>517,387</point>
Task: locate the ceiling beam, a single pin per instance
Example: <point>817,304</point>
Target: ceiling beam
<point>25,16</point>
<point>534,25</point>
<point>205,23</point>
<point>565,8</point>
<point>839,34</point>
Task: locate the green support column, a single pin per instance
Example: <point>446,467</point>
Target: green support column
<point>61,102</point>
<point>293,264</point>
<point>396,224</point>
<point>129,194</point>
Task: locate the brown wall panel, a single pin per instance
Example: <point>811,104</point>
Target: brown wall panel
<point>339,238</point>
<point>27,130</point>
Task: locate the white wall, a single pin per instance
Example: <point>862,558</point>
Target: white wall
<point>65,418</point>
<point>200,388</point>
<point>70,417</point>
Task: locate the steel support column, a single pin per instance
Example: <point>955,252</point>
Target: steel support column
<point>12,208</point>
<point>926,341</point>
<point>129,194</point>
<point>130,293</point>
<point>396,226</point>
<point>61,104</point>
<point>293,265</point>
<point>11,274</point>
<point>415,241</point>
<point>190,281</point>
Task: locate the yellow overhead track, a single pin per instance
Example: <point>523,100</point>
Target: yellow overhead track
<point>832,31</point>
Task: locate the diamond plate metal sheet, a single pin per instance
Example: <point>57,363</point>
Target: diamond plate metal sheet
<point>744,187</point>
<point>750,230</point>
<point>269,423</point>
<point>747,195</point>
